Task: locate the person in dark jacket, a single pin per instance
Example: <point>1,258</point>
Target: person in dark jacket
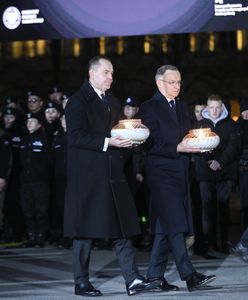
<point>198,247</point>
<point>52,122</point>
<point>98,202</point>
<point>216,171</point>
<point>59,185</point>
<point>134,171</point>
<point>167,165</point>
<point>13,218</point>
<point>35,177</point>
<point>5,167</point>
<point>243,162</point>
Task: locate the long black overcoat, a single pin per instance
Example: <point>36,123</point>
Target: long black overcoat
<point>98,201</point>
<point>167,170</point>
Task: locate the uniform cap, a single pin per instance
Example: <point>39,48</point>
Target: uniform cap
<point>10,111</point>
<point>131,102</point>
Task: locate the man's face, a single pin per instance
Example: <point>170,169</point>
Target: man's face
<point>215,108</point>
<point>33,125</point>
<point>170,84</point>
<point>101,76</point>
<point>51,114</point>
<point>56,97</point>
<point>8,120</point>
<point>198,109</point>
<point>34,104</point>
<point>130,111</point>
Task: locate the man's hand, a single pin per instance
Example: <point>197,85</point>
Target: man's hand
<point>120,143</point>
<point>183,147</point>
<point>3,184</point>
<point>214,165</point>
<point>139,177</point>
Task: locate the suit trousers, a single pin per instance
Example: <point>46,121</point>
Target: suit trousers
<point>215,198</point>
<point>243,189</point>
<point>124,251</point>
<point>162,245</point>
<point>244,238</point>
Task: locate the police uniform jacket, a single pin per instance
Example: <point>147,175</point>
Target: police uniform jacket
<point>98,202</point>
<point>35,157</point>
<point>167,170</point>
<point>5,156</point>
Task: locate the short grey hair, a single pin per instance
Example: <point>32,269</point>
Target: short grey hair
<point>95,61</point>
<point>160,71</point>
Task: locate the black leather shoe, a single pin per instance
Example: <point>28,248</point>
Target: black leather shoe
<point>198,280</point>
<point>31,240</point>
<point>239,249</point>
<point>139,284</point>
<point>226,247</point>
<point>86,289</point>
<point>40,240</point>
<point>160,283</point>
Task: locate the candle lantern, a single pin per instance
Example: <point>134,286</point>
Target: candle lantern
<point>202,138</point>
<point>131,129</point>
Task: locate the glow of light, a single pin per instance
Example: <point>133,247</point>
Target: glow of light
<point>240,40</point>
<point>192,42</point>
<point>211,42</point>
<point>120,46</point>
<point>29,49</point>
<point>102,46</point>
<point>41,47</point>
<point>165,43</point>
<point>17,49</point>
<point>147,45</point>
<point>76,47</point>
<point>201,133</point>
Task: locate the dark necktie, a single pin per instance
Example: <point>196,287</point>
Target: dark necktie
<point>104,98</point>
<point>172,105</point>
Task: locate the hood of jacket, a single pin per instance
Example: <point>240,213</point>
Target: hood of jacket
<point>222,116</point>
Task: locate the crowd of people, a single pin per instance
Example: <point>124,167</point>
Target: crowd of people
<point>60,167</point>
<point>33,170</point>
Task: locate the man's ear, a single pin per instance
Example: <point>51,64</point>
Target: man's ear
<point>91,73</point>
<point>159,83</point>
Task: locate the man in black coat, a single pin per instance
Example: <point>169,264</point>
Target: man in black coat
<point>167,177</point>
<point>98,202</point>
<point>216,171</point>
<point>243,162</point>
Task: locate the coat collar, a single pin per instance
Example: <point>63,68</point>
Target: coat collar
<point>164,106</point>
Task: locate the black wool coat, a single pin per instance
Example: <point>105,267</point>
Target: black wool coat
<point>167,170</point>
<point>98,201</point>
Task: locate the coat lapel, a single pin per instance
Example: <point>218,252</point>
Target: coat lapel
<point>164,109</point>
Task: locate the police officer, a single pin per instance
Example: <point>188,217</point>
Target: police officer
<point>5,165</point>
<point>35,177</point>
<point>52,119</point>
<point>13,219</point>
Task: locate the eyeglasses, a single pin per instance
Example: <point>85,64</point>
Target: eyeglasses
<point>173,82</point>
